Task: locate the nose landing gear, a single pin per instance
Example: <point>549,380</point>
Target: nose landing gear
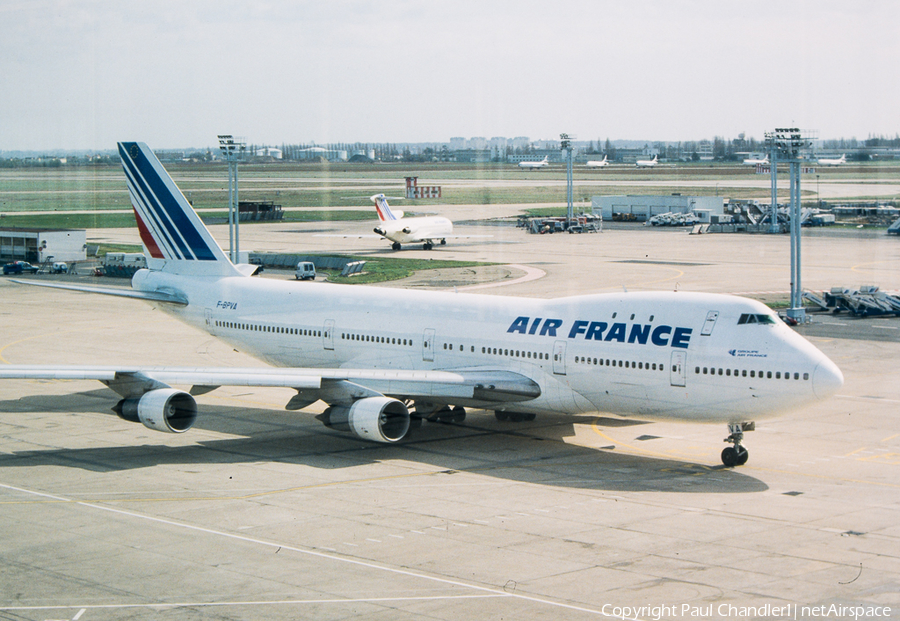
<point>736,455</point>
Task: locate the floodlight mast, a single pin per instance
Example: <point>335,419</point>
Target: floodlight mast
<point>565,144</point>
<point>233,151</point>
<point>788,143</point>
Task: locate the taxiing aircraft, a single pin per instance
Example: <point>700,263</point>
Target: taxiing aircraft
<point>597,163</point>
<point>420,229</point>
<point>533,165</point>
<point>824,161</point>
<point>378,356</point>
<point>753,161</point>
<point>647,163</point>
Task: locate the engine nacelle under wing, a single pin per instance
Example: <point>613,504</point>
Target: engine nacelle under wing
<point>164,409</point>
<point>380,419</point>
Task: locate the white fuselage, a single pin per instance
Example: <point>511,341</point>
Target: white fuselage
<point>832,162</point>
<point>683,356</point>
<point>412,230</point>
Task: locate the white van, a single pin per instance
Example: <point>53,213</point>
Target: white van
<point>306,270</point>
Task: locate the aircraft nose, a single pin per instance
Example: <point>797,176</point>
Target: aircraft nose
<point>827,379</point>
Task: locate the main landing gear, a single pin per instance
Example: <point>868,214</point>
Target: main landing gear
<point>447,414</point>
<point>736,455</point>
<point>516,417</point>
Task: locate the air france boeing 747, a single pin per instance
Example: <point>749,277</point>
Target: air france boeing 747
<point>673,356</point>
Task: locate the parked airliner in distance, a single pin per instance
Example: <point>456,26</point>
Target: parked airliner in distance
<point>647,163</point>
<point>753,161</point>
<point>533,165</point>
<point>597,163</point>
<point>379,356</point>
<point>824,161</point>
<point>420,229</point>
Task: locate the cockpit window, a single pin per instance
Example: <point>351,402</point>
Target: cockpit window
<point>752,318</point>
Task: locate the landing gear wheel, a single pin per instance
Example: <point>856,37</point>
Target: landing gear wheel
<point>427,246</point>
<point>736,455</point>
<point>447,415</point>
<point>443,242</point>
<point>395,246</point>
<point>516,417</point>
<point>730,457</point>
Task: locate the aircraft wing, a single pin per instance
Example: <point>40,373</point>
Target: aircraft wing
<point>331,385</point>
<point>462,236</point>
<point>349,235</point>
<point>151,296</point>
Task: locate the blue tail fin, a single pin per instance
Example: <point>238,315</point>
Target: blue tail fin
<point>385,214</point>
<point>170,229</point>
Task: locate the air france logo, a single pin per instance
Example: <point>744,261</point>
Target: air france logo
<point>747,353</point>
<point>661,336</point>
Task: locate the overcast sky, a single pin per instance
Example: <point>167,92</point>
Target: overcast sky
<point>85,74</point>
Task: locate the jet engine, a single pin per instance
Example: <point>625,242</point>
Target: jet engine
<point>380,419</point>
<point>164,409</point>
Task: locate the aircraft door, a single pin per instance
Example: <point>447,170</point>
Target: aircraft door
<point>428,345</point>
<point>710,323</point>
<point>328,334</point>
<point>677,373</point>
<point>559,357</point>
<point>210,324</point>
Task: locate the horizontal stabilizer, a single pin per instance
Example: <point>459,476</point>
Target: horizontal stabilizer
<point>151,296</point>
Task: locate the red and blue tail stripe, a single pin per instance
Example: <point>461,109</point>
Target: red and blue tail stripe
<point>384,211</point>
<point>169,227</point>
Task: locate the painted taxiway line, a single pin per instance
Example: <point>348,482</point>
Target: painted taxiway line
<point>531,273</point>
<point>483,591</point>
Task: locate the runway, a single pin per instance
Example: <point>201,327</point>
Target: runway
<point>266,514</point>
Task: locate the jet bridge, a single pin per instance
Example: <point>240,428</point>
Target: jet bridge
<point>867,300</point>
<point>894,229</point>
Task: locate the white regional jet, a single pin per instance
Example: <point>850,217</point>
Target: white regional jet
<point>597,163</point>
<point>533,165</point>
<point>824,161</point>
<point>672,356</point>
<point>421,229</point>
<point>647,163</point>
<point>753,161</point>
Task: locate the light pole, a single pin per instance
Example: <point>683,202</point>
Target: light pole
<point>566,145</point>
<point>233,151</point>
<point>789,142</point>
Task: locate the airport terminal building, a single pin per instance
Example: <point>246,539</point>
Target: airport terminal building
<point>642,208</point>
